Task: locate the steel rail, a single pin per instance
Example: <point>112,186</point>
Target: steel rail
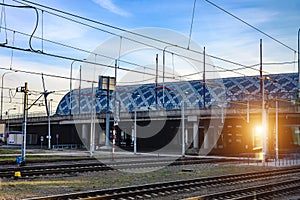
<point>38,170</point>
<point>261,191</point>
<point>163,188</point>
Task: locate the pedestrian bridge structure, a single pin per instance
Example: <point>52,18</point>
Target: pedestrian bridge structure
<point>219,114</point>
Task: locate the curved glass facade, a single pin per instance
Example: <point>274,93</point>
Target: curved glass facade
<point>218,92</point>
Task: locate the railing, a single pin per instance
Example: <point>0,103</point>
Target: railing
<point>216,111</point>
<point>16,116</point>
<point>65,146</point>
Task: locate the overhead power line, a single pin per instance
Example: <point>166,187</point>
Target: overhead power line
<point>123,30</point>
<point>36,23</point>
<point>192,22</point>
<point>248,24</point>
<point>63,57</point>
<point>148,37</point>
<point>124,61</point>
<point>140,35</point>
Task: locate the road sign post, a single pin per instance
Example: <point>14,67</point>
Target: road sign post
<point>42,140</point>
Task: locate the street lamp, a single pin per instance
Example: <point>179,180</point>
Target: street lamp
<point>2,83</point>
<point>7,113</point>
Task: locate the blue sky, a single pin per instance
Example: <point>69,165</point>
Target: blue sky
<point>221,34</point>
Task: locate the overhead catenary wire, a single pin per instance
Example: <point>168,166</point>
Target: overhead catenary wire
<point>192,22</point>
<point>43,40</point>
<point>101,23</point>
<point>214,57</point>
<point>121,29</point>
<point>248,24</point>
<point>36,24</point>
<point>57,76</point>
<point>76,48</point>
<point>140,35</point>
<point>131,63</point>
<point>3,18</point>
<point>211,85</point>
<point>243,74</point>
<point>234,70</point>
<point>73,59</point>
<point>122,61</point>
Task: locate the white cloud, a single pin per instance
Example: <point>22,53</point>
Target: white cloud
<point>109,5</point>
<point>16,79</point>
<point>63,30</point>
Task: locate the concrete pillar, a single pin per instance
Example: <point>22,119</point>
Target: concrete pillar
<point>186,136</point>
<point>103,137</point>
<point>206,139</point>
<point>195,135</point>
<point>85,135</point>
<point>132,133</point>
<point>97,139</point>
<point>217,133</point>
<point>122,136</point>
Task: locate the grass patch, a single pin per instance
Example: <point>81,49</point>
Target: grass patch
<point>33,159</point>
<point>9,151</point>
<point>43,186</point>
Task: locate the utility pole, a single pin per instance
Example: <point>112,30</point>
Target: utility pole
<point>79,91</point>
<point>21,160</point>
<point>182,128</point>
<point>24,127</point>
<point>203,80</point>
<point>46,93</point>
<point>92,129</point>
<point>116,114</point>
<point>276,131</point>
<point>107,127</point>
<point>134,133</point>
<point>298,71</point>
<point>156,81</point>
<point>264,112</point>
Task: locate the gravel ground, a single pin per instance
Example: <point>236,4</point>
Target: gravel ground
<point>50,185</point>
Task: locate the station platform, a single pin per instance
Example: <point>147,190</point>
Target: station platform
<point>286,160</point>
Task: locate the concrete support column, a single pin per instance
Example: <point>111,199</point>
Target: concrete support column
<point>217,133</point>
<point>195,135</point>
<point>186,136</point>
<point>122,136</point>
<point>206,139</point>
<point>102,137</point>
<point>85,134</point>
<point>132,133</point>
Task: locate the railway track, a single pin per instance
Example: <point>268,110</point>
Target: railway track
<point>262,191</point>
<point>158,190</point>
<point>41,170</point>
